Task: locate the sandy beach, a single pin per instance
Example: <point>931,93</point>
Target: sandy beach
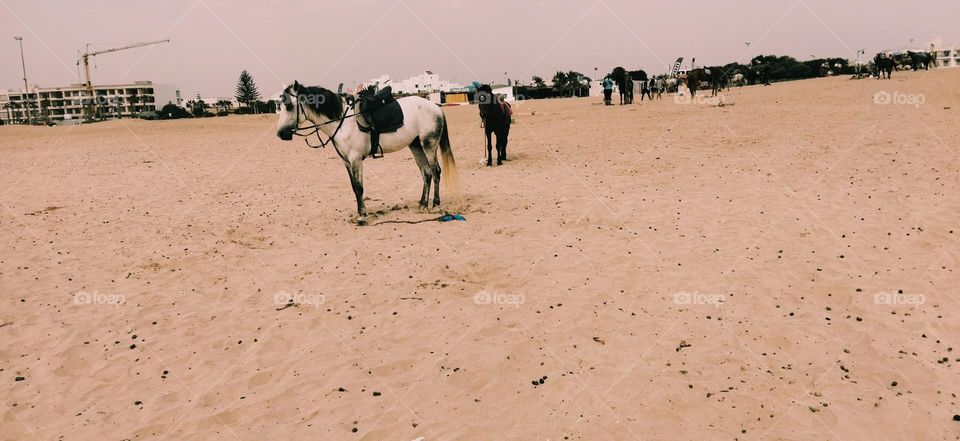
<point>784,267</point>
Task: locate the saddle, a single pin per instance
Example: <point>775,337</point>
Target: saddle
<point>383,114</point>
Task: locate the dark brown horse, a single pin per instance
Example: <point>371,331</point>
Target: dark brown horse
<point>710,75</point>
<point>884,65</point>
<point>495,114</point>
<point>922,60</point>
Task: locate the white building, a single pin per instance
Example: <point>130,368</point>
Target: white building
<point>67,102</point>
<point>424,83</point>
<point>948,57</point>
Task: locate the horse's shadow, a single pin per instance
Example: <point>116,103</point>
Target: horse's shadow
<point>411,215</point>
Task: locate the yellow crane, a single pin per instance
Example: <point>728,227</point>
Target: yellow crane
<point>88,85</point>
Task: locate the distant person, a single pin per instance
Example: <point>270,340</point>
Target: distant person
<point>646,89</point>
<point>607,91</point>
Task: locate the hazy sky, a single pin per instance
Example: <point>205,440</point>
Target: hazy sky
<point>326,42</point>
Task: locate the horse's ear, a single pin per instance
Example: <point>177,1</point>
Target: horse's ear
<point>296,86</point>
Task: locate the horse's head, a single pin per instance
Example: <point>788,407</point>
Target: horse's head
<point>288,112</point>
<point>484,94</point>
<point>484,98</point>
<point>299,103</point>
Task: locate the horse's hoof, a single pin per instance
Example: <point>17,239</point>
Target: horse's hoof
<point>361,222</point>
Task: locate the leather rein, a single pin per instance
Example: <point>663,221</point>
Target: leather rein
<point>315,128</point>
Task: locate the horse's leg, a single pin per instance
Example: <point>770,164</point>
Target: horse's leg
<point>506,139</point>
<point>431,145</point>
<point>489,131</point>
<point>501,138</point>
<point>436,184</point>
<point>416,147</point>
<point>355,170</point>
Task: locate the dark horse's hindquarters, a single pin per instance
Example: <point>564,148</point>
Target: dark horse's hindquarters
<point>495,115</point>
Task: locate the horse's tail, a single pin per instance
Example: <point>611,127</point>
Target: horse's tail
<point>449,177</point>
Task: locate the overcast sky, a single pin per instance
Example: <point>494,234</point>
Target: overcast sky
<point>326,42</point>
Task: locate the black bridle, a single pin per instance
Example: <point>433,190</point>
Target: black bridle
<point>315,128</point>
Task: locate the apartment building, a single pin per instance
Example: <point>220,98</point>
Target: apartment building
<point>68,102</point>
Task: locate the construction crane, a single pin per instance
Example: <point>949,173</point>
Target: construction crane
<point>88,85</point>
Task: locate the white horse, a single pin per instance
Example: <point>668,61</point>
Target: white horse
<point>738,79</point>
<point>424,131</point>
<point>672,83</point>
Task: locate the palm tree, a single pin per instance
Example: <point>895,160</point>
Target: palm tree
<point>118,105</point>
<point>225,104</point>
<point>134,101</point>
<point>575,81</point>
<point>9,106</point>
<point>199,107</point>
<point>45,108</point>
<point>16,106</point>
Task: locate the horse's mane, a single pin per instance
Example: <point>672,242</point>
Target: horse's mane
<point>320,100</point>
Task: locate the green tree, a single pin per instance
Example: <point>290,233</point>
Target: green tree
<point>198,106</point>
<point>561,82</point>
<point>14,106</point>
<point>538,81</point>
<point>117,106</point>
<point>173,111</point>
<point>247,92</point>
<point>134,101</point>
<point>576,81</point>
<point>9,107</point>
<point>45,108</point>
<point>224,105</point>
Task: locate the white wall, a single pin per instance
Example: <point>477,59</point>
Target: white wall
<point>596,88</point>
<point>506,90</point>
<point>164,94</point>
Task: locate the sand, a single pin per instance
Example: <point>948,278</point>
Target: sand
<point>669,271</point>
